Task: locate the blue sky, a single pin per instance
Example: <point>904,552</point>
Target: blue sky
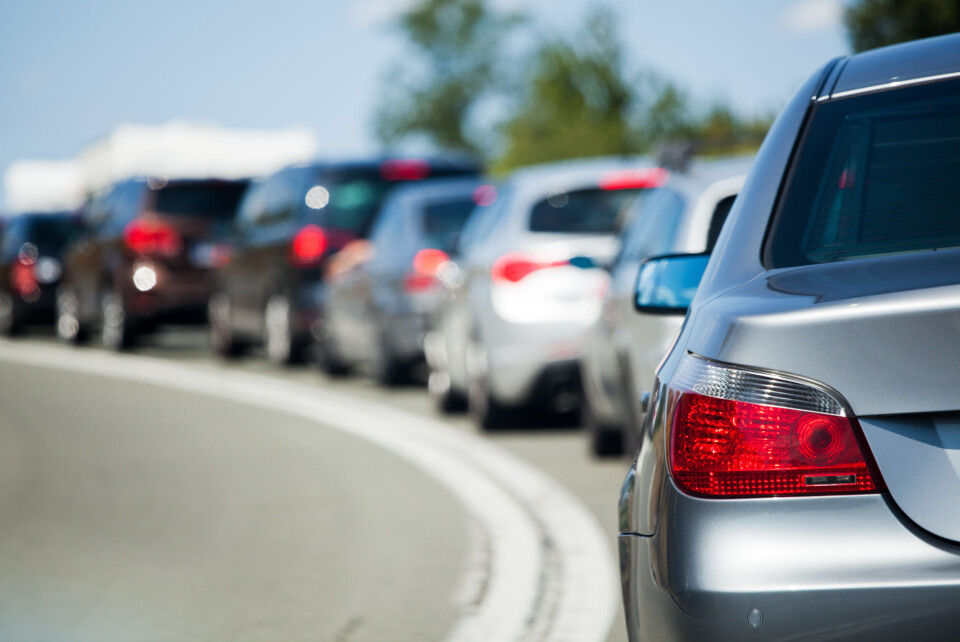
<point>70,70</point>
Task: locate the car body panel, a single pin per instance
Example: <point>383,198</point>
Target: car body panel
<point>881,335</point>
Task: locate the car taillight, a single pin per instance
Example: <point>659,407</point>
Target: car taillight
<point>513,268</point>
<point>151,238</point>
<point>426,265</point>
<point>23,279</point>
<point>308,246</point>
<point>742,433</point>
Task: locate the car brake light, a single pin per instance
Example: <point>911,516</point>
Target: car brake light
<point>513,268</point>
<point>404,169</point>
<point>308,246</point>
<point>426,265</point>
<point>742,433</point>
<point>144,236</point>
<point>24,280</point>
<point>634,179</point>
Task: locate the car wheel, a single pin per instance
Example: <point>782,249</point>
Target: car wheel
<point>222,340</point>
<point>279,339</point>
<point>68,326</point>
<point>446,399</point>
<point>328,359</point>
<point>388,369</point>
<point>605,440</point>
<point>116,331</point>
<point>485,410</point>
<point>9,321</point>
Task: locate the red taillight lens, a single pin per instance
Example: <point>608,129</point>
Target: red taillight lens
<point>426,263</point>
<point>513,268</point>
<point>151,238</point>
<point>308,246</point>
<point>727,439</point>
<point>24,280</point>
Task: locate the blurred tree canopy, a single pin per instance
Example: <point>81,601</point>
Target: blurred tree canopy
<point>457,46</point>
<point>876,23</point>
<point>569,98</point>
<point>578,104</point>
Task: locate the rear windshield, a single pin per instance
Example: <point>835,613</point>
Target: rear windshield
<point>876,175</point>
<point>443,220</point>
<point>585,211</point>
<point>49,233</point>
<point>206,200</point>
<point>351,199</point>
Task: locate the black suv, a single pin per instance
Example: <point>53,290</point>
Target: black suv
<point>146,257</point>
<point>292,228</point>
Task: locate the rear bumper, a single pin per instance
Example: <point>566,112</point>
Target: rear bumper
<point>811,568</point>
<point>521,355</point>
<point>179,296</point>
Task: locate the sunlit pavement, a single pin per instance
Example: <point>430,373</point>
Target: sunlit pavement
<point>160,514</point>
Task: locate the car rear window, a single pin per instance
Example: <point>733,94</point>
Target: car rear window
<point>443,220</point>
<point>585,211</point>
<point>49,233</point>
<point>216,200</point>
<point>350,199</point>
<point>876,175</point>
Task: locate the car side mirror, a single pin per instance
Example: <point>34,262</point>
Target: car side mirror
<point>667,284</point>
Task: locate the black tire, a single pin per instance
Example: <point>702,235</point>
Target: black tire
<point>280,342</point>
<point>70,329</point>
<point>223,341</point>
<point>605,440</point>
<point>486,412</point>
<point>117,331</point>
<point>446,399</point>
<point>389,371</point>
<point>10,322</point>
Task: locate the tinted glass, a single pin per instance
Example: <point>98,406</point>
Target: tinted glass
<point>443,220</point>
<point>207,200</point>
<point>654,228</point>
<point>719,217</point>
<point>588,211</point>
<point>49,233</point>
<point>350,199</point>
<point>876,175</point>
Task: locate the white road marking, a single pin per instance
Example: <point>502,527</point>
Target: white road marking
<point>543,569</point>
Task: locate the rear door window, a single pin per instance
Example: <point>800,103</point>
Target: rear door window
<point>876,175</point>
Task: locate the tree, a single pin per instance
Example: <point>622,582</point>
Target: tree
<point>579,101</point>
<point>457,47</point>
<point>875,23</point>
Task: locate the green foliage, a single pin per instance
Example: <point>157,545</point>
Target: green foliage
<point>578,103</point>
<point>457,52</point>
<point>876,23</point>
<point>572,98</point>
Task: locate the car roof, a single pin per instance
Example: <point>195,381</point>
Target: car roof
<point>439,162</point>
<point>908,63</point>
<point>574,172</point>
<point>438,188</point>
<point>702,174</point>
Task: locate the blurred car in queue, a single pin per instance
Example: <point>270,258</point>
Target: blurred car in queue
<point>798,474</point>
<point>511,332</point>
<point>291,229</point>
<point>146,257</point>
<point>684,216</point>
<point>31,255</point>
<point>378,311</point>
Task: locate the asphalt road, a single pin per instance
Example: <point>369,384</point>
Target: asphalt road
<point>131,509</point>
